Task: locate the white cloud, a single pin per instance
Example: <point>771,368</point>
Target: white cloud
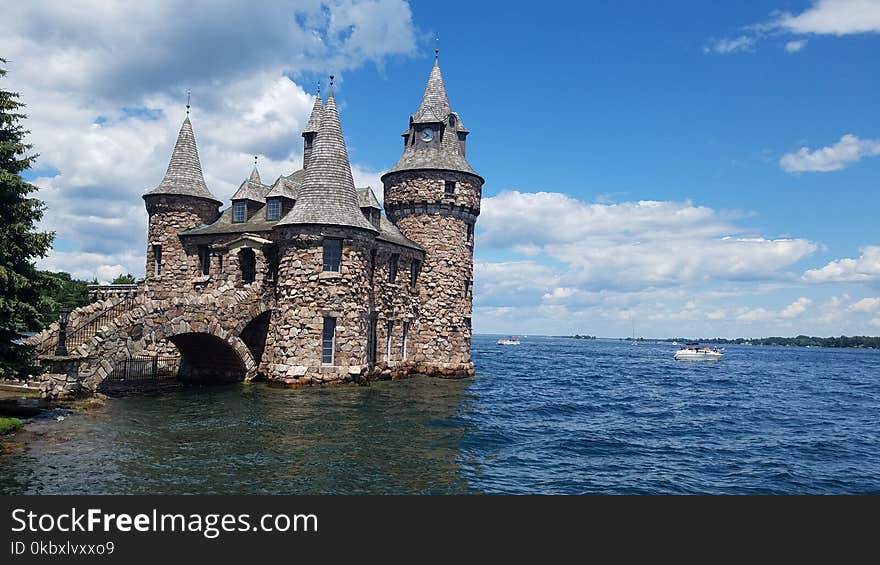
<point>633,244</point>
<point>731,45</point>
<point>796,308</point>
<point>823,17</point>
<point>796,45</point>
<point>105,86</point>
<point>865,305</point>
<point>834,17</point>
<point>865,268</point>
<point>833,158</point>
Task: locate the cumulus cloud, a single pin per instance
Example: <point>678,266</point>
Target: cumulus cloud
<point>105,86</point>
<point>865,268</point>
<point>834,17</point>
<point>823,17</point>
<point>633,244</point>
<point>870,304</point>
<point>832,158</point>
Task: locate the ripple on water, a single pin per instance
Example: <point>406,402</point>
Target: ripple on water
<point>552,416</point>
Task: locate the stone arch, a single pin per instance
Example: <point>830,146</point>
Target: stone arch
<point>195,341</point>
<point>207,358</point>
<point>254,335</point>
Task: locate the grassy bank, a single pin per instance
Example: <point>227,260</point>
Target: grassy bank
<point>9,425</point>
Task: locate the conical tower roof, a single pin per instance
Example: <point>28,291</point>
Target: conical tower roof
<point>315,117</point>
<point>327,195</point>
<point>444,151</point>
<point>184,174</point>
<point>435,103</point>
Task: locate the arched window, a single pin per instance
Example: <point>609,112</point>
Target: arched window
<point>247,260</point>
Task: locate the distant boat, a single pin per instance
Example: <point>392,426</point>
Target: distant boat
<point>674,343</point>
<point>693,352</point>
<point>512,340</point>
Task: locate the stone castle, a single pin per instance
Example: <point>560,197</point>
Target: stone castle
<point>306,280</point>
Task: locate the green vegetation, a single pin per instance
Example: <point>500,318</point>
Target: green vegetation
<point>9,425</point>
<point>859,341</point>
<point>57,290</point>
<point>124,279</point>
<point>578,336</point>
<point>20,243</point>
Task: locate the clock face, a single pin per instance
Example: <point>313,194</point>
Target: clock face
<point>427,134</point>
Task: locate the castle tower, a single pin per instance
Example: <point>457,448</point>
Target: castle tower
<point>180,202</point>
<point>433,196</point>
<point>324,246</point>
<point>310,132</point>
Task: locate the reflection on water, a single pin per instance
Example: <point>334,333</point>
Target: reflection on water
<point>386,438</point>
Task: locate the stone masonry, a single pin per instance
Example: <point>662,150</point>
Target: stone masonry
<point>304,281</point>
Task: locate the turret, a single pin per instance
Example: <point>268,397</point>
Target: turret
<point>433,196</point>
<point>181,201</point>
<point>310,132</point>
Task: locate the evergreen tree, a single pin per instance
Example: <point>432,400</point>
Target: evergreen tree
<point>20,243</point>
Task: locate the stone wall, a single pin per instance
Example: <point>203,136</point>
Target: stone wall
<point>440,224</point>
<point>170,215</point>
<point>293,346</point>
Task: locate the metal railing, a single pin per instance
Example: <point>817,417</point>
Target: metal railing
<point>144,370</point>
<point>87,330</point>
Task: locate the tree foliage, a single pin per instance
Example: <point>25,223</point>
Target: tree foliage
<point>124,279</point>
<point>20,243</point>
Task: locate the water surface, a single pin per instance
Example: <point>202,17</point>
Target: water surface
<point>553,415</point>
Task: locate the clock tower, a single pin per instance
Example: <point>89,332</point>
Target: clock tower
<point>433,196</point>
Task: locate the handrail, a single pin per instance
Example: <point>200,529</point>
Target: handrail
<point>89,328</point>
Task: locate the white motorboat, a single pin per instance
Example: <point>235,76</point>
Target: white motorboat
<point>512,340</point>
<point>693,352</point>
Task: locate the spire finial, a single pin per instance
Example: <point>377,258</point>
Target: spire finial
<point>318,88</point>
<point>331,83</point>
<point>255,161</point>
<point>188,92</point>
<point>437,50</point>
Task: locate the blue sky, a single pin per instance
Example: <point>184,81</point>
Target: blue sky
<point>698,169</point>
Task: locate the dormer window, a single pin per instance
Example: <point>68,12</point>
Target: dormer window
<point>239,211</point>
<point>273,209</point>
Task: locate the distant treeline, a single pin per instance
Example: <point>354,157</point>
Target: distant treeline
<point>578,336</point>
<point>861,341</point>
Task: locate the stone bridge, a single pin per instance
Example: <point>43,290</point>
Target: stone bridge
<point>219,337</point>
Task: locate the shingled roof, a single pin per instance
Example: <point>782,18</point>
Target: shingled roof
<point>327,195</point>
<point>252,189</point>
<point>184,174</point>
<point>288,186</point>
<point>315,118</point>
<point>445,152</point>
<point>367,198</point>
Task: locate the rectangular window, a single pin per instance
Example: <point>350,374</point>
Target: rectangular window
<point>157,260</point>
<point>239,211</point>
<point>405,339</point>
<point>390,330</point>
<point>204,259</point>
<point>328,341</point>
<point>332,255</point>
<point>273,209</point>
<point>414,269</point>
<point>467,288</point>
<point>392,267</point>
<point>449,187</point>
<point>371,340</point>
<point>470,233</point>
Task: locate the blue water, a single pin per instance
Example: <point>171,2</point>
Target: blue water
<point>553,415</point>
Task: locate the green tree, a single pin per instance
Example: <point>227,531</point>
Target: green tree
<point>20,243</point>
<point>124,279</point>
<point>60,290</point>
